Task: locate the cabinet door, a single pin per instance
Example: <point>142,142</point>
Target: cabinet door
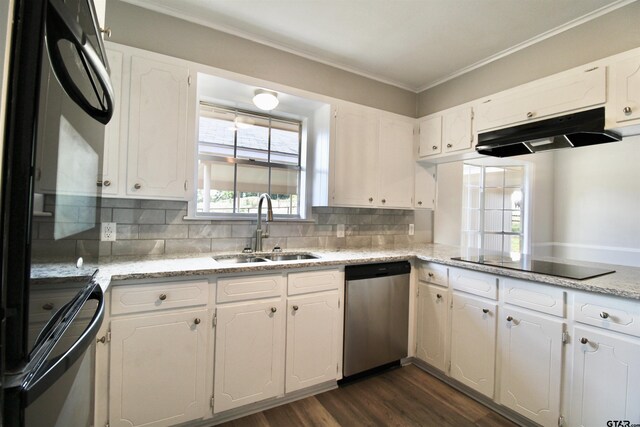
<point>249,363</point>
<point>433,325</point>
<point>110,165</point>
<point>425,186</point>
<point>355,158</point>
<point>531,362</point>
<point>627,87</point>
<point>430,137</point>
<point>158,369</point>
<point>606,378</point>
<point>473,342</point>
<point>313,338</point>
<point>456,130</point>
<point>396,163</point>
<point>560,93</point>
<point>158,143</point>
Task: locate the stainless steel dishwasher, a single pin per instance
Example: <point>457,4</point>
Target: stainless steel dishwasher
<point>376,321</point>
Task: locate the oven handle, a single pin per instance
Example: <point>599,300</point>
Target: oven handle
<point>65,27</point>
<point>55,368</point>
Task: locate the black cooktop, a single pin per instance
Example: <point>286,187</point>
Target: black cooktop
<point>525,263</point>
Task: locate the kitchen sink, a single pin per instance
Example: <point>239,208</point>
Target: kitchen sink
<point>238,259</point>
<point>289,257</point>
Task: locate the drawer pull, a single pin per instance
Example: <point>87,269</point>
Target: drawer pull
<point>509,318</point>
<point>449,145</point>
<point>48,306</point>
<point>485,310</point>
<point>430,274</point>
<point>273,309</point>
<point>604,315</point>
<point>295,308</point>
<point>584,340</point>
<point>137,186</point>
<point>529,114</point>
<point>162,297</point>
<point>371,199</point>
<point>626,110</point>
<point>196,321</point>
<point>439,296</point>
<point>435,147</point>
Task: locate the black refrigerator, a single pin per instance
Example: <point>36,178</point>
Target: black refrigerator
<point>59,100</point>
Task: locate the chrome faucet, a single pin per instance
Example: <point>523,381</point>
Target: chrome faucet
<point>259,233</point>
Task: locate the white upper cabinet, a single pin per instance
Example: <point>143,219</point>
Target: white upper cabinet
<point>110,167</point>
<point>456,130</point>
<point>158,142</point>
<point>430,136</point>
<point>627,89</point>
<point>425,186</point>
<point>572,90</point>
<point>396,175</point>
<point>101,11</point>
<point>372,159</point>
<point>355,159</point>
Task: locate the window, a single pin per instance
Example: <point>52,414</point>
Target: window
<point>493,207</point>
<point>243,154</point>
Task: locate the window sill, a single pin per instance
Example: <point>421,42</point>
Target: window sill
<point>253,219</point>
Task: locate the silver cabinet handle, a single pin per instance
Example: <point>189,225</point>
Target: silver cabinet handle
<point>485,310</point>
<point>371,199</point>
<point>584,340</point>
<point>106,183</point>
<point>295,308</point>
<point>529,114</point>
<point>509,318</point>
<point>439,296</point>
<point>137,186</point>
<point>384,200</point>
<point>196,321</point>
<point>626,110</point>
<point>48,306</point>
<point>106,31</point>
<point>162,297</point>
<point>102,339</point>
<point>435,147</point>
<point>604,315</point>
<point>449,145</point>
<point>430,274</point>
<point>273,309</point>
<point>419,203</point>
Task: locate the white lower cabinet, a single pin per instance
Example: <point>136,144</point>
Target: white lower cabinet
<point>606,378</point>
<point>313,340</point>
<point>530,364</point>
<point>249,353</point>
<point>432,328</point>
<point>157,371</point>
<point>473,342</point>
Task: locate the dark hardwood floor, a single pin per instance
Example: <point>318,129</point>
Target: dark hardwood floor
<point>405,396</point>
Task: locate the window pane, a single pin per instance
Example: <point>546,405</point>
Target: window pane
<point>285,142</point>
<point>493,242</point>
<point>493,198</point>
<point>513,198</point>
<point>284,191</point>
<point>216,131</point>
<point>471,198</point>
<point>253,138</point>
<point>215,187</point>
<point>471,220</point>
<point>493,177</point>
<point>493,221</point>
<point>514,177</point>
<point>512,244</point>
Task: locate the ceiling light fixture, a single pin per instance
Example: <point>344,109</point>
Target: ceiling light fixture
<point>265,100</point>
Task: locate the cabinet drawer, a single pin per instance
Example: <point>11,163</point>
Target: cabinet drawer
<point>314,281</point>
<point>611,313</point>
<point>44,304</point>
<point>249,287</point>
<point>473,282</point>
<point>158,296</point>
<point>535,296</point>
<point>433,273</point>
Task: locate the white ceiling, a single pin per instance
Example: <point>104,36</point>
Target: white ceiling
<point>413,44</point>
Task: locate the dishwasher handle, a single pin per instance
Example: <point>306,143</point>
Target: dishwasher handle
<point>370,271</point>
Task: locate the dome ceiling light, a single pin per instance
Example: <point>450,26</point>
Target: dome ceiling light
<point>265,100</point>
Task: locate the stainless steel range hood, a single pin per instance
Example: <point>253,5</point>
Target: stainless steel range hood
<point>573,130</point>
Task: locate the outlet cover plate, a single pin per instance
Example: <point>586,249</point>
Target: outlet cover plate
<point>412,230</point>
<point>108,232</point>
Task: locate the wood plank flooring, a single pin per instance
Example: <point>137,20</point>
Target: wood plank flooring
<point>405,396</point>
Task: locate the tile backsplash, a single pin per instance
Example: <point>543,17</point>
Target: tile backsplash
<point>155,227</point>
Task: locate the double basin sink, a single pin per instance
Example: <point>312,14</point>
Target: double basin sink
<point>274,257</point>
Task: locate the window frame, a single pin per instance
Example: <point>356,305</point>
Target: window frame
<point>269,165</point>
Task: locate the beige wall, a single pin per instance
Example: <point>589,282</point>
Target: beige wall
<point>160,33</point>
<point>607,35</point>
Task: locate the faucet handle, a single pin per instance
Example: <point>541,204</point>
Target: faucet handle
<point>265,233</point>
<point>247,250</point>
<point>277,249</point>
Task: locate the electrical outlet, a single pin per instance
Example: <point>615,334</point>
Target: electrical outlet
<point>108,232</point>
<point>340,232</point>
<point>411,230</point>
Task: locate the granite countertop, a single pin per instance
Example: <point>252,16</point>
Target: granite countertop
<point>625,282</point>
